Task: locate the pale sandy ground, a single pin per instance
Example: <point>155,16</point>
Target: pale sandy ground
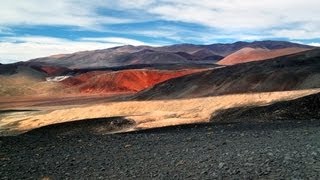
<point>146,114</point>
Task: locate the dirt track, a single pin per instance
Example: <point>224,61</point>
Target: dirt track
<point>289,149</point>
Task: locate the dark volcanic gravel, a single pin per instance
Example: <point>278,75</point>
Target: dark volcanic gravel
<point>273,150</point>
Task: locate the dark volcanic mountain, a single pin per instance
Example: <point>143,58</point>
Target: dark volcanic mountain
<point>226,49</point>
<point>133,55</point>
<point>47,70</point>
<point>292,72</point>
<point>205,54</point>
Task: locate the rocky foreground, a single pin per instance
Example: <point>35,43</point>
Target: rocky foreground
<point>273,150</point>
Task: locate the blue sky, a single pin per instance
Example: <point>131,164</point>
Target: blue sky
<point>36,28</point>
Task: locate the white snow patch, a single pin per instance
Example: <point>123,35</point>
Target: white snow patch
<point>57,78</point>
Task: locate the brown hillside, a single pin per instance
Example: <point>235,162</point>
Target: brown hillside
<point>257,54</point>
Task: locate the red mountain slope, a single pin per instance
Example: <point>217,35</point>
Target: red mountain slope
<point>121,81</point>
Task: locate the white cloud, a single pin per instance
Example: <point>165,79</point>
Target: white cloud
<point>115,40</point>
<point>29,47</point>
<point>228,15</point>
<point>136,4</point>
<point>314,44</point>
<point>296,33</point>
<point>239,14</point>
<point>285,18</point>
<point>56,12</point>
<point>167,33</point>
<point>223,19</point>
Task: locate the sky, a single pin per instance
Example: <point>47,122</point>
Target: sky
<point>37,28</point>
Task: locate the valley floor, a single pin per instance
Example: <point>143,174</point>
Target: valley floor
<point>78,141</point>
<point>145,114</point>
<point>274,150</point>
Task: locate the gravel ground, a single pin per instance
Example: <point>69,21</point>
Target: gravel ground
<point>274,150</point>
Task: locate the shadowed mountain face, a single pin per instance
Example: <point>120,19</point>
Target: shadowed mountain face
<point>113,57</point>
<point>134,55</point>
<point>303,108</point>
<point>16,80</point>
<point>226,49</point>
<point>292,72</point>
<point>46,70</point>
<point>201,56</point>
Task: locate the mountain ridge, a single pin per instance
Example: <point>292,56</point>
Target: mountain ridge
<point>249,54</point>
<point>128,55</point>
<point>291,72</point>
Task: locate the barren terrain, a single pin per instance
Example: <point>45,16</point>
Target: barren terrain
<point>251,54</point>
<point>277,150</point>
<point>171,112</point>
<point>145,114</point>
<point>292,72</point>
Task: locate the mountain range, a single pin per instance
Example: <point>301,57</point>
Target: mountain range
<point>291,72</point>
<point>183,70</point>
<point>175,54</point>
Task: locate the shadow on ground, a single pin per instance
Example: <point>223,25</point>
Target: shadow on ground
<point>5,111</point>
<point>304,108</point>
<point>96,126</point>
<point>294,112</point>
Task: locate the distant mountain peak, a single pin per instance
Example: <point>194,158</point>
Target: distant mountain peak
<point>177,53</point>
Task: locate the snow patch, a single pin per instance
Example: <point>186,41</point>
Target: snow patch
<point>57,78</point>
